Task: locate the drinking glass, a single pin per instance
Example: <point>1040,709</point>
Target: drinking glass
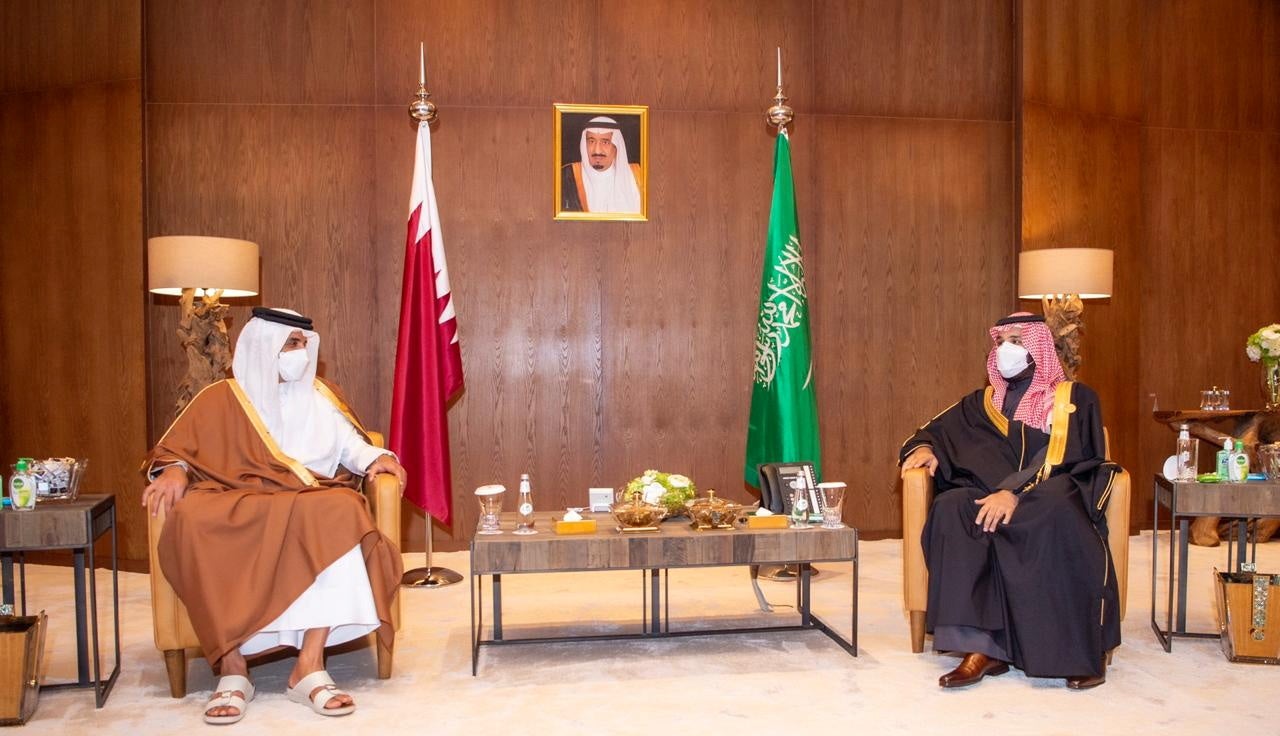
<point>1269,459</point>
<point>1224,399</point>
<point>832,497</point>
<point>490,498</point>
<point>1208,400</point>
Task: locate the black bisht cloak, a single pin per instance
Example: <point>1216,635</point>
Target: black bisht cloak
<point>1042,585</point>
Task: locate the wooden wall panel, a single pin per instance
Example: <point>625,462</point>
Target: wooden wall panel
<point>72,381</point>
<point>1084,55</point>
<point>58,43</point>
<point>260,51</point>
<point>527,291</point>
<point>680,307</point>
<point>300,184</point>
<point>1211,202</point>
<point>488,52</point>
<point>1081,187</point>
<point>914,58</point>
<point>710,55</point>
<point>1213,65</point>
<point>913,265</point>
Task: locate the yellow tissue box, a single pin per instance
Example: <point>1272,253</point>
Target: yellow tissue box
<point>584,526</point>
<point>777,521</point>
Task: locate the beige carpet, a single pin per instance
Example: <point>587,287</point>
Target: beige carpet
<point>749,684</point>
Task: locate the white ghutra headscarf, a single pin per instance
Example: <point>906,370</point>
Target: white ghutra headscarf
<point>297,416</point>
<point>614,189</point>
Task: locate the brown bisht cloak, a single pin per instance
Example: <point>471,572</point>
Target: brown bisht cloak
<point>256,527</point>
<point>1042,585</point>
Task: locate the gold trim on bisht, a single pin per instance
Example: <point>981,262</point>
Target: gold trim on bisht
<point>1062,411</point>
<point>256,420</point>
<point>998,419</point>
<point>341,406</point>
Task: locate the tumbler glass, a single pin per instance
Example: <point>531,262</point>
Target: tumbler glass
<point>1269,460</point>
<point>832,495</point>
<point>490,498</point>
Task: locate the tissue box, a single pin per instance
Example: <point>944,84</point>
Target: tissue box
<point>777,521</point>
<point>583,526</point>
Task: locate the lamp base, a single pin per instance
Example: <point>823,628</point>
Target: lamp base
<point>1064,316</point>
<point>204,339</point>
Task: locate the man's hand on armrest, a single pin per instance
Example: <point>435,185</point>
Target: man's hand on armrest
<point>167,489</point>
<point>921,457</point>
<point>386,463</point>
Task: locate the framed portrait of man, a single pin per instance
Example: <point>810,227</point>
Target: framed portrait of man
<point>601,162</point>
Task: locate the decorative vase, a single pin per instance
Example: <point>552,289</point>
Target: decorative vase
<point>1271,383</point>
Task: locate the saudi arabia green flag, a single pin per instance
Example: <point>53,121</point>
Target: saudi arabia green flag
<point>784,411</point>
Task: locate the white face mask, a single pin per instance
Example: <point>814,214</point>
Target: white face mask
<point>293,364</point>
<point>1011,359</point>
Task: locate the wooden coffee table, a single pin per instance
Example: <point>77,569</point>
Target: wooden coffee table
<point>653,554</point>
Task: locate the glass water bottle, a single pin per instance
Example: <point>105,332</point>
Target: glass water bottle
<point>524,511</point>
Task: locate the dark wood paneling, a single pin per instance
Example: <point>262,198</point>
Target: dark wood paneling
<point>72,381</point>
<point>914,263</point>
<point>1081,187</point>
<point>260,51</point>
<point>681,302</point>
<point>527,291</point>
<point>914,58</point>
<point>1213,65</point>
<point>1084,55</point>
<point>489,52</point>
<point>1211,203</point>
<point>298,183</point>
<point>709,55</point>
<point>58,43</point>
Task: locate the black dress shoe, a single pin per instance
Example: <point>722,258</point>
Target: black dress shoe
<point>972,669</point>
<point>1085,682</point>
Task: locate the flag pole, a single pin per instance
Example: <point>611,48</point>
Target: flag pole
<point>424,111</point>
<point>780,116</point>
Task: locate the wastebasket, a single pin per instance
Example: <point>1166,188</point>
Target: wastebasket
<point>21,652</point>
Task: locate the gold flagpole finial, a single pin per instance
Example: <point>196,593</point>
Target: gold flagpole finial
<point>420,108</point>
<point>780,114</point>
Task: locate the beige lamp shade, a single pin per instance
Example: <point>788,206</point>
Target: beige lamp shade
<point>1085,272</point>
<point>178,262</point>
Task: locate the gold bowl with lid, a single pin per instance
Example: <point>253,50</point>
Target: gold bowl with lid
<point>710,512</point>
<point>635,515</point>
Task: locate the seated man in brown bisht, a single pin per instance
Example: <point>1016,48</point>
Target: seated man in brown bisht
<point>1019,569</point>
<point>267,542</point>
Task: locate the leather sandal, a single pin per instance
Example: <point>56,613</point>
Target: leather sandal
<point>301,693</point>
<point>225,697</point>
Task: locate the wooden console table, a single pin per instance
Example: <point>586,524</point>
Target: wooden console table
<point>652,554</point>
<point>68,525</point>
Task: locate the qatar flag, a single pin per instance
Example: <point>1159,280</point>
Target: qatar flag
<point>428,357</point>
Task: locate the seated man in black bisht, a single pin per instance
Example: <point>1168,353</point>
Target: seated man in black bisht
<point>1019,568</point>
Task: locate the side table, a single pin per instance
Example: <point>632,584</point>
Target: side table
<point>68,525</point>
<point>1184,502</point>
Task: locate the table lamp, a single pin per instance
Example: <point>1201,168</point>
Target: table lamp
<point>1061,278</point>
<point>191,266</point>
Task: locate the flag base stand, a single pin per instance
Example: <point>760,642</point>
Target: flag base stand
<point>429,576</point>
<point>782,573</point>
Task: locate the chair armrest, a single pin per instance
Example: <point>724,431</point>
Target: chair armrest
<point>1117,514</point>
<point>917,496</point>
<point>170,623</point>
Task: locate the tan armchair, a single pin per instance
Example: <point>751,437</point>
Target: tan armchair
<point>173,633</point>
<point>917,496</point>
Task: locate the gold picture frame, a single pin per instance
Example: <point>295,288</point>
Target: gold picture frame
<point>574,179</point>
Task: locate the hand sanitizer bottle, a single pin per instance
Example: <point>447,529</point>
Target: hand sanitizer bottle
<point>1224,460</point>
<point>1239,469</point>
<point>1187,452</point>
<point>525,509</point>
<point>22,487</point>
